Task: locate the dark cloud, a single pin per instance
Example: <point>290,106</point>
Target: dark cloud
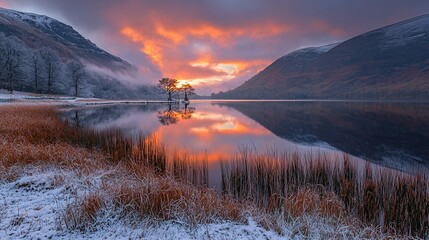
<point>228,39</point>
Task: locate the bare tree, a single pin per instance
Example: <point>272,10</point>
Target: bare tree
<point>169,116</point>
<point>169,85</point>
<point>2,61</point>
<point>52,66</point>
<point>77,72</point>
<point>187,89</point>
<point>11,65</point>
<point>36,64</point>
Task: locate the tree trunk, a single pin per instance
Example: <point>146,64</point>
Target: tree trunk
<point>49,82</point>
<point>36,80</point>
<point>10,80</point>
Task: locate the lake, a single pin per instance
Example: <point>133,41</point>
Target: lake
<point>389,134</point>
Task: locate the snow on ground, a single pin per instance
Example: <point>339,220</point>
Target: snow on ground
<point>40,20</point>
<point>17,97</point>
<point>320,49</point>
<point>6,96</point>
<point>31,208</point>
<point>407,31</point>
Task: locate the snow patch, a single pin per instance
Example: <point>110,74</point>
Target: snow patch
<point>31,206</point>
<point>407,31</point>
<point>40,20</point>
<point>320,49</point>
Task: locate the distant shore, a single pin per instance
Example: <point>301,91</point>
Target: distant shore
<point>23,97</point>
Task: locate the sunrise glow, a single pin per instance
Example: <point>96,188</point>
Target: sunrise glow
<point>212,45</point>
<point>205,67</point>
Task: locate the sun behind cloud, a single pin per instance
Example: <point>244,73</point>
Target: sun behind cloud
<point>188,54</point>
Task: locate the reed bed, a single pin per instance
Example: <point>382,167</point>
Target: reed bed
<point>152,184</point>
<point>190,168</point>
<point>30,134</point>
<point>282,183</point>
<point>149,186</point>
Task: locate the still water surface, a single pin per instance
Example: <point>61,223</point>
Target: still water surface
<point>395,135</point>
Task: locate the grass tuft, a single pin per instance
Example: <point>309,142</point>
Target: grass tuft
<point>318,184</point>
<point>273,189</point>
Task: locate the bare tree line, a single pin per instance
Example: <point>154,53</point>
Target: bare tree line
<point>38,70</point>
<point>42,70</point>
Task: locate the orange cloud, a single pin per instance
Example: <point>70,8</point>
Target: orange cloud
<point>186,53</point>
<point>226,70</point>
<point>181,34</point>
<point>150,47</point>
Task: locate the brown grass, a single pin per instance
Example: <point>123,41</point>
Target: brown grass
<point>32,135</point>
<point>82,214</point>
<point>151,187</point>
<point>167,200</point>
<point>189,168</point>
<point>331,187</point>
<point>36,135</point>
<point>306,201</point>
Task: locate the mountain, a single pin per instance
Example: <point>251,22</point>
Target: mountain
<point>388,63</point>
<point>38,31</point>
<point>32,36</point>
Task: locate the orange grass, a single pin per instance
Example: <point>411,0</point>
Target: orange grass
<point>82,214</point>
<point>166,200</point>
<point>332,187</point>
<point>34,135</point>
<point>31,135</point>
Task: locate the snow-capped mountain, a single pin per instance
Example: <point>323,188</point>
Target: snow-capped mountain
<point>38,31</point>
<point>33,37</point>
<point>388,63</point>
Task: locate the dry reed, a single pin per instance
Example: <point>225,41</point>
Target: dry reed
<point>395,201</point>
<point>36,135</point>
<point>153,189</point>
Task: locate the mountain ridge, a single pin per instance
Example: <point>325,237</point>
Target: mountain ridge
<point>386,63</point>
<point>32,37</point>
<point>62,36</point>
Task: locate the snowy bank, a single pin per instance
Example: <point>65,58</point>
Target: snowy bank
<point>31,207</point>
<point>26,98</point>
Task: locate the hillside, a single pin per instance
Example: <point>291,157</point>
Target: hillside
<point>30,37</point>
<point>388,63</point>
<point>38,31</point>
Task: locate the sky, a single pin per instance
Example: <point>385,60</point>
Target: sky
<point>216,44</point>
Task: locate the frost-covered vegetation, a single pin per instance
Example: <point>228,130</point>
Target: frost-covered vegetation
<point>59,181</point>
<point>291,185</point>
<point>43,70</point>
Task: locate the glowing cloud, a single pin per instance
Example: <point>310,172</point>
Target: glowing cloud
<point>200,65</point>
<point>216,44</point>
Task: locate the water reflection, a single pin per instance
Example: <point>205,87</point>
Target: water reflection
<point>390,134</point>
<point>173,113</point>
<point>206,131</point>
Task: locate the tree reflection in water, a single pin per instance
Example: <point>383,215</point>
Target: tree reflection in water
<point>174,113</point>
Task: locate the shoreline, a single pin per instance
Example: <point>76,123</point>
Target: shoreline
<point>19,97</point>
<point>126,175</point>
